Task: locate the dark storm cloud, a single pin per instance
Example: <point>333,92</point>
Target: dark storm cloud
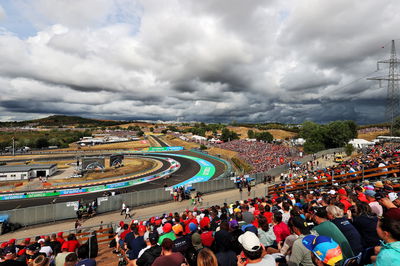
<point>214,61</point>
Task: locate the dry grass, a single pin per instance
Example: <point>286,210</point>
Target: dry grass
<point>372,135</point>
<point>174,141</point>
<point>224,153</point>
<point>281,134</point>
<point>133,145</point>
<point>276,133</point>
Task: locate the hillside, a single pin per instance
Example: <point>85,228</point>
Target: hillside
<point>62,120</point>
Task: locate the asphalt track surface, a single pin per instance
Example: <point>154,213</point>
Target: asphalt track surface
<point>188,169</point>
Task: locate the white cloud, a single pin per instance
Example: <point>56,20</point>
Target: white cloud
<point>204,60</point>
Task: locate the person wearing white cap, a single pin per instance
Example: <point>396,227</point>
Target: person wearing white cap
<point>394,198</point>
<point>253,251</point>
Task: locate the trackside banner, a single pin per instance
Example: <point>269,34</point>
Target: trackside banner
<point>172,148</point>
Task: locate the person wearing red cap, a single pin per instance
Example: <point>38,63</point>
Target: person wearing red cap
<point>207,236</point>
<point>167,229</point>
<point>342,194</point>
<point>60,238</point>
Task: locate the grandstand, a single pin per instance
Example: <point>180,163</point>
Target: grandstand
<point>347,198</point>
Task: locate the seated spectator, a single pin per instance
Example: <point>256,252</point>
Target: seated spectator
<point>253,252</point>
<point>71,259</point>
<point>60,238</point>
<point>72,244</point>
<point>83,256</point>
<point>223,246</point>
<point>207,258</point>
<point>136,244</point>
<point>266,233</point>
<point>151,252</point>
<point>60,258</point>
<point>167,256</point>
<point>281,229</point>
<point>365,221</point>
<point>324,250</point>
<point>389,230</point>
<point>55,245</point>
<point>45,248</point>
<point>375,206</point>
<point>327,228</point>
<point>335,215</point>
<point>167,229</point>
<point>299,254</point>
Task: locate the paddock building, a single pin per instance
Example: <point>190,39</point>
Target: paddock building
<point>24,172</point>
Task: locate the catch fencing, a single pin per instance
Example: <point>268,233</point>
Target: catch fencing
<point>67,210</point>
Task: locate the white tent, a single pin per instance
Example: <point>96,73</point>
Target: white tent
<point>360,143</point>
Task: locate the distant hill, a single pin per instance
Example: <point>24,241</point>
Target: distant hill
<point>62,120</point>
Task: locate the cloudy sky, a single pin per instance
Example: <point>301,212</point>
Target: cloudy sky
<point>208,60</point>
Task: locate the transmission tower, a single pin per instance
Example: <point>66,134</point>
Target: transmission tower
<point>393,93</point>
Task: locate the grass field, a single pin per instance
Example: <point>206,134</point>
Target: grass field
<point>134,145</point>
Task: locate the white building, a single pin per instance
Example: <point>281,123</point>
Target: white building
<point>23,172</point>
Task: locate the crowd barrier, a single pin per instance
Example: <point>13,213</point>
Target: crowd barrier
<point>61,211</point>
<point>342,178</point>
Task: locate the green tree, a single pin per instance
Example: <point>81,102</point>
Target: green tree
<point>312,147</point>
<point>396,127</point>
<point>140,133</point>
<point>349,149</point>
<point>203,147</point>
<point>264,136</point>
<point>228,135</point>
<point>42,143</point>
<point>250,134</point>
<point>151,129</point>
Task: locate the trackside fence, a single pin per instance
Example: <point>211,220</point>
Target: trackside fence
<point>67,210</point>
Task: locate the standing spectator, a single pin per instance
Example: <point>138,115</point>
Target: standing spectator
<point>168,257</point>
<point>128,213</point>
<point>207,258</point>
<point>123,208</point>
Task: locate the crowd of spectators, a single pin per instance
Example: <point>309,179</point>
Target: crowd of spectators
<point>261,156</point>
<point>302,228</point>
<point>50,250</point>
